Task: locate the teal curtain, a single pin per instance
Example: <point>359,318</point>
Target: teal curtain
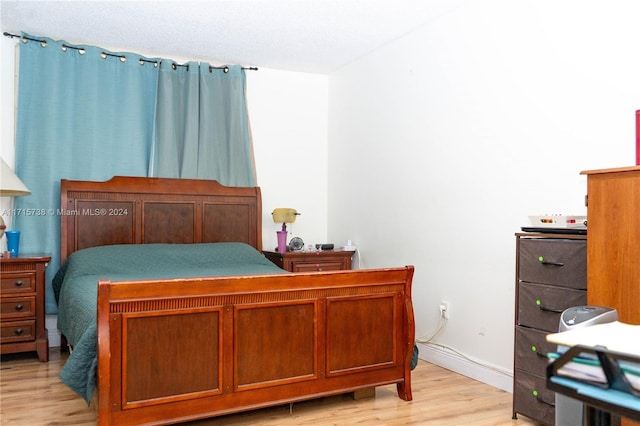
<point>80,115</point>
<point>86,113</point>
<point>202,129</point>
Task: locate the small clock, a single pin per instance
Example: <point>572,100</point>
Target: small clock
<point>296,244</point>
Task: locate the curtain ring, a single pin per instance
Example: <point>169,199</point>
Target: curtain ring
<point>103,55</point>
<point>123,58</point>
<point>225,70</point>
<point>64,48</point>
<point>25,40</point>
<point>43,43</point>
<point>174,66</point>
<point>82,51</point>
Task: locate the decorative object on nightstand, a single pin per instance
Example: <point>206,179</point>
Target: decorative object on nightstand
<point>22,305</point>
<point>296,244</point>
<point>283,216</point>
<point>10,186</point>
<point>312,261</point>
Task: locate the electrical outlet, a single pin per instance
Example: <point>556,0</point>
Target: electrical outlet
<point>444,310</point>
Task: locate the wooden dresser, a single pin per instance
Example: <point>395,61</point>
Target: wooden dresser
<point>551,276</point>
<point>22,305</point>
<point>312,261</point>
<point>613,248</point>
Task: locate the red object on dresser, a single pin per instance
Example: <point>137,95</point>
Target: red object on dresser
<point>638,137</point>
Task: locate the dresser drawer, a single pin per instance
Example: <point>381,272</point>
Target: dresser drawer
<point>18,283</point>
<point>540,306</point>
<point>18,331</point>
<point>531,349</point>
<point>532,398</point>
<point>17,307</point>
<point>553,261</point>
<point>316,266</point>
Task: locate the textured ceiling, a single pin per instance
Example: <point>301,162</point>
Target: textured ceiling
<point>317,36</point>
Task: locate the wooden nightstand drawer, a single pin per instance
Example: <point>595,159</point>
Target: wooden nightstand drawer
<point>317,267</point>
<point>18,331</point>
<point>18,283</point>
<point>17,307</point>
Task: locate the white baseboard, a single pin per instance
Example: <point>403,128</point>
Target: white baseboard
<point>443,357</point>
<point>54,335</point>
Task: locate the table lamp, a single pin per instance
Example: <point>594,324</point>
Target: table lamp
<point>283,216</point>
<point>10,186</point>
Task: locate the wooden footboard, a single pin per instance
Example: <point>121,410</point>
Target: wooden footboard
<point>178,350</point>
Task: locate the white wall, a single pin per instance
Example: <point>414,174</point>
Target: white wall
<point>444,141</point>
<point>288,113</point>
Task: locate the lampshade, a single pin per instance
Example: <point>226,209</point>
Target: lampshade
<point>284,215</point>
<point>10,184</point>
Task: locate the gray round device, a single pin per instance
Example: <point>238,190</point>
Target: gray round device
<point>584,316</point>
<point>296,244</point>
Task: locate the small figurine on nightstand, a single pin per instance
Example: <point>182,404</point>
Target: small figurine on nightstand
<point>349,246</point>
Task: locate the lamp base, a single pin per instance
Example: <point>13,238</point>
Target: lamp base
<point>282,241</point>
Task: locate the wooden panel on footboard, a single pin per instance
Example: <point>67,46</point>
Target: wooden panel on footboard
<point>178,350</point>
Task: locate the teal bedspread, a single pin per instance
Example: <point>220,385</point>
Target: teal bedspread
<point>76,288</point>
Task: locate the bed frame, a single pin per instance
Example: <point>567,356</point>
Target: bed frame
<point>177,350</point>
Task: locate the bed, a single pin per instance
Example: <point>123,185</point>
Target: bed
<point>192,321</point>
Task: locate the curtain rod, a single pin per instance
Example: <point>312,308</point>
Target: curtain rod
<point>122,58</point>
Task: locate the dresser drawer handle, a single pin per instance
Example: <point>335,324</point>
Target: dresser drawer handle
<point>18,283</point>
<point>542,401</point>
<point>545,309</point>
<point>546,262</point>
<point>19,331</point>
<point>534,349</point>
<point>19,307</point>
<point>555,311</point>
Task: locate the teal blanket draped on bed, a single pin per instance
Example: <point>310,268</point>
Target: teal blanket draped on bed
<point>76,288</point>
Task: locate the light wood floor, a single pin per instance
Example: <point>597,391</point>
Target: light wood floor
<point>31,394</point>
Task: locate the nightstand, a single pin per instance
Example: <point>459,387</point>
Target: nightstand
<point>311,261</point>
<point>22,305</point>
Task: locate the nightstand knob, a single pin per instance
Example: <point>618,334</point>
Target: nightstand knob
<point>18,283</point>
<point>19,307</point>
<point>18,331</point>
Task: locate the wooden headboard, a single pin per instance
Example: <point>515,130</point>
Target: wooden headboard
<point>141,210</point>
